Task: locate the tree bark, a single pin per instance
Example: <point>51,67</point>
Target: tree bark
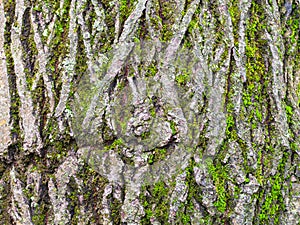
<point>149,112</point>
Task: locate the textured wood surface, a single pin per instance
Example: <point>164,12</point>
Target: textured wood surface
<point>149,112</point>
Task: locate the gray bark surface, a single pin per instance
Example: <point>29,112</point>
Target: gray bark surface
<point>149,112</point>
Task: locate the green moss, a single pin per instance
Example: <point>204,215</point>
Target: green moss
<point>153,112</point>
<point>186,210</point>
<point>40,101</point>
<point>193,25</point>
<point>150,159</point>
<point>219,175</point>
<point>59,45</point>
<point>167,15</point>
<point>247,99</point>
<point>106,36</point>
<point>259,175</point>
<point>167,33</point>
<point>151,70</point>
<point>274,200</point>
<point>173,127</point>
<point>115,206</point>
<point>183,78</point>
<point>255,93</point>
<point>121,84</point>
<point>81,57</point>
<point>234,12</point>
<point>57,147</point>
<point>156,22</point>
<point>294,27</point>
<point>183,217</point>
<point>158,195</point>
<point>92,191</point>
<point>29,49</point>
<point>126,7</point>
<point>16,131</point>
<point>40,211</point>
<point>145,135</point>
<point>289,113</point>
<point>258,115</point>
<point>254,46</point>
<point>157,155</point>
<point>117,146</point>
<point>273,203</point>
<point>230,126</point>
<point>38,219</point>
<point>73,201</point>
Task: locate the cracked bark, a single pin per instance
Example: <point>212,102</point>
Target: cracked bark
<point>149,112</point>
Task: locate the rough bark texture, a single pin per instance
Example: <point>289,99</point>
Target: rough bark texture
<point>149,112</point>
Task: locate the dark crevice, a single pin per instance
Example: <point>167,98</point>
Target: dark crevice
<point>16,132</point>
<point>125,12</point>
<point>228,82</point>
<point>257,207</point>
<point>143,31</point>
<point>58,48</point>
<point>41,104</point>
<point>72,199</point>
<point>89,16</point>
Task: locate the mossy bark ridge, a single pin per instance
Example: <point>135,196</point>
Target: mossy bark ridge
<point>149,112</point>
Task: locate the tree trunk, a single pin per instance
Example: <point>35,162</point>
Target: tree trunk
<point>149,112</point>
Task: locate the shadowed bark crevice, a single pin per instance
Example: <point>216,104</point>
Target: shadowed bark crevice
<point>149,112</point>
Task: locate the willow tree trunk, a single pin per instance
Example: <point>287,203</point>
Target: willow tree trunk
<point>149,112</point>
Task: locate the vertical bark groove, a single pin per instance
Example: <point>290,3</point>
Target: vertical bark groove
<point>149,112</point>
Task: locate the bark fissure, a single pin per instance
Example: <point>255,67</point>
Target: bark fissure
<point>149,112</point>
